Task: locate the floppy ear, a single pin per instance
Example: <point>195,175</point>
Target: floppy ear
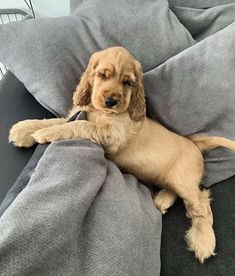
<point>82,94</point>
<point>137,108</point>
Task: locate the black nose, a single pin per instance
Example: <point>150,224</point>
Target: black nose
<point>110,102</point>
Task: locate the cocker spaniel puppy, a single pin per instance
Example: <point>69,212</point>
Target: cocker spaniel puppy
<point>111,92</point>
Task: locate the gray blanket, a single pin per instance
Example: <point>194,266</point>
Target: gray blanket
<point>79,215</point>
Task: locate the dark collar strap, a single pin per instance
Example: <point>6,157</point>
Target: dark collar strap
<point>74,117</point>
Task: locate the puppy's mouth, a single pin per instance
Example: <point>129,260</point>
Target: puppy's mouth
<point>113,109</point>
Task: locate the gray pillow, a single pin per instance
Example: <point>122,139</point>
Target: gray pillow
<point>48,55</point>
<point>204,22</point>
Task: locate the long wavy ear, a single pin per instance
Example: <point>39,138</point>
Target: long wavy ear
<point>82,94</point>
<point>137,108</point>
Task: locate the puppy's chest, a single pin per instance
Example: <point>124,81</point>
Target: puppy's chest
<point>120,129</point>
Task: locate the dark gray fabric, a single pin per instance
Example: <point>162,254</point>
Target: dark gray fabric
<point>79,215</point>
<point>23,179</point>
<point>60,47</point>
<point>15,104</point>
<point>204,22</point>
<point>176,260</point>
<point>193,92</point>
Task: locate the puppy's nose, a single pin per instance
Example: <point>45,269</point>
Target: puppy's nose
<point>110,102</point>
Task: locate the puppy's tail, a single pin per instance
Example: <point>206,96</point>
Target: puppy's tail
<point>205,143</point>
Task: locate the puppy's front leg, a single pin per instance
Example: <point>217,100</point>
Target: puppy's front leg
<point>100,134</point>
<point>20,133</point>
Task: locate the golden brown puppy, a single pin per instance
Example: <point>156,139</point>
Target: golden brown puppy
<point>112,93</point>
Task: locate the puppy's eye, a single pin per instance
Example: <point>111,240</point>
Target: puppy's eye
<point>102,75</point>
<point>129,82</point>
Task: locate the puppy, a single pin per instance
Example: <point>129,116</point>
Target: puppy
<point>111,92</point>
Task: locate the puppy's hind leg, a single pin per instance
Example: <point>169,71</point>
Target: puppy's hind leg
<point>200,237</point>
<point>184,179</point>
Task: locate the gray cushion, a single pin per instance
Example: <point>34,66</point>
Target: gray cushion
<point>48,55</point>
<point>204,22</point>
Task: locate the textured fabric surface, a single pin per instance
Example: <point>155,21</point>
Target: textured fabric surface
<point>57,63</point>
<point>80,216</point>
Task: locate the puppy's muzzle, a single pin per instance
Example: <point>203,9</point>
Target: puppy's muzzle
<point>110,102</point>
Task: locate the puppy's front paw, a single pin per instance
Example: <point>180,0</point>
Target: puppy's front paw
<point>20,134</point>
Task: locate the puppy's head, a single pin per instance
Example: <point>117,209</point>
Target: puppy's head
<point>112,83</point>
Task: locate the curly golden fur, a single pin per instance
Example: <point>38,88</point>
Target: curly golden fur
<point>111,91</point>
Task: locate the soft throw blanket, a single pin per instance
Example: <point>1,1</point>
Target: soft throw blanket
<point>79,215</point>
